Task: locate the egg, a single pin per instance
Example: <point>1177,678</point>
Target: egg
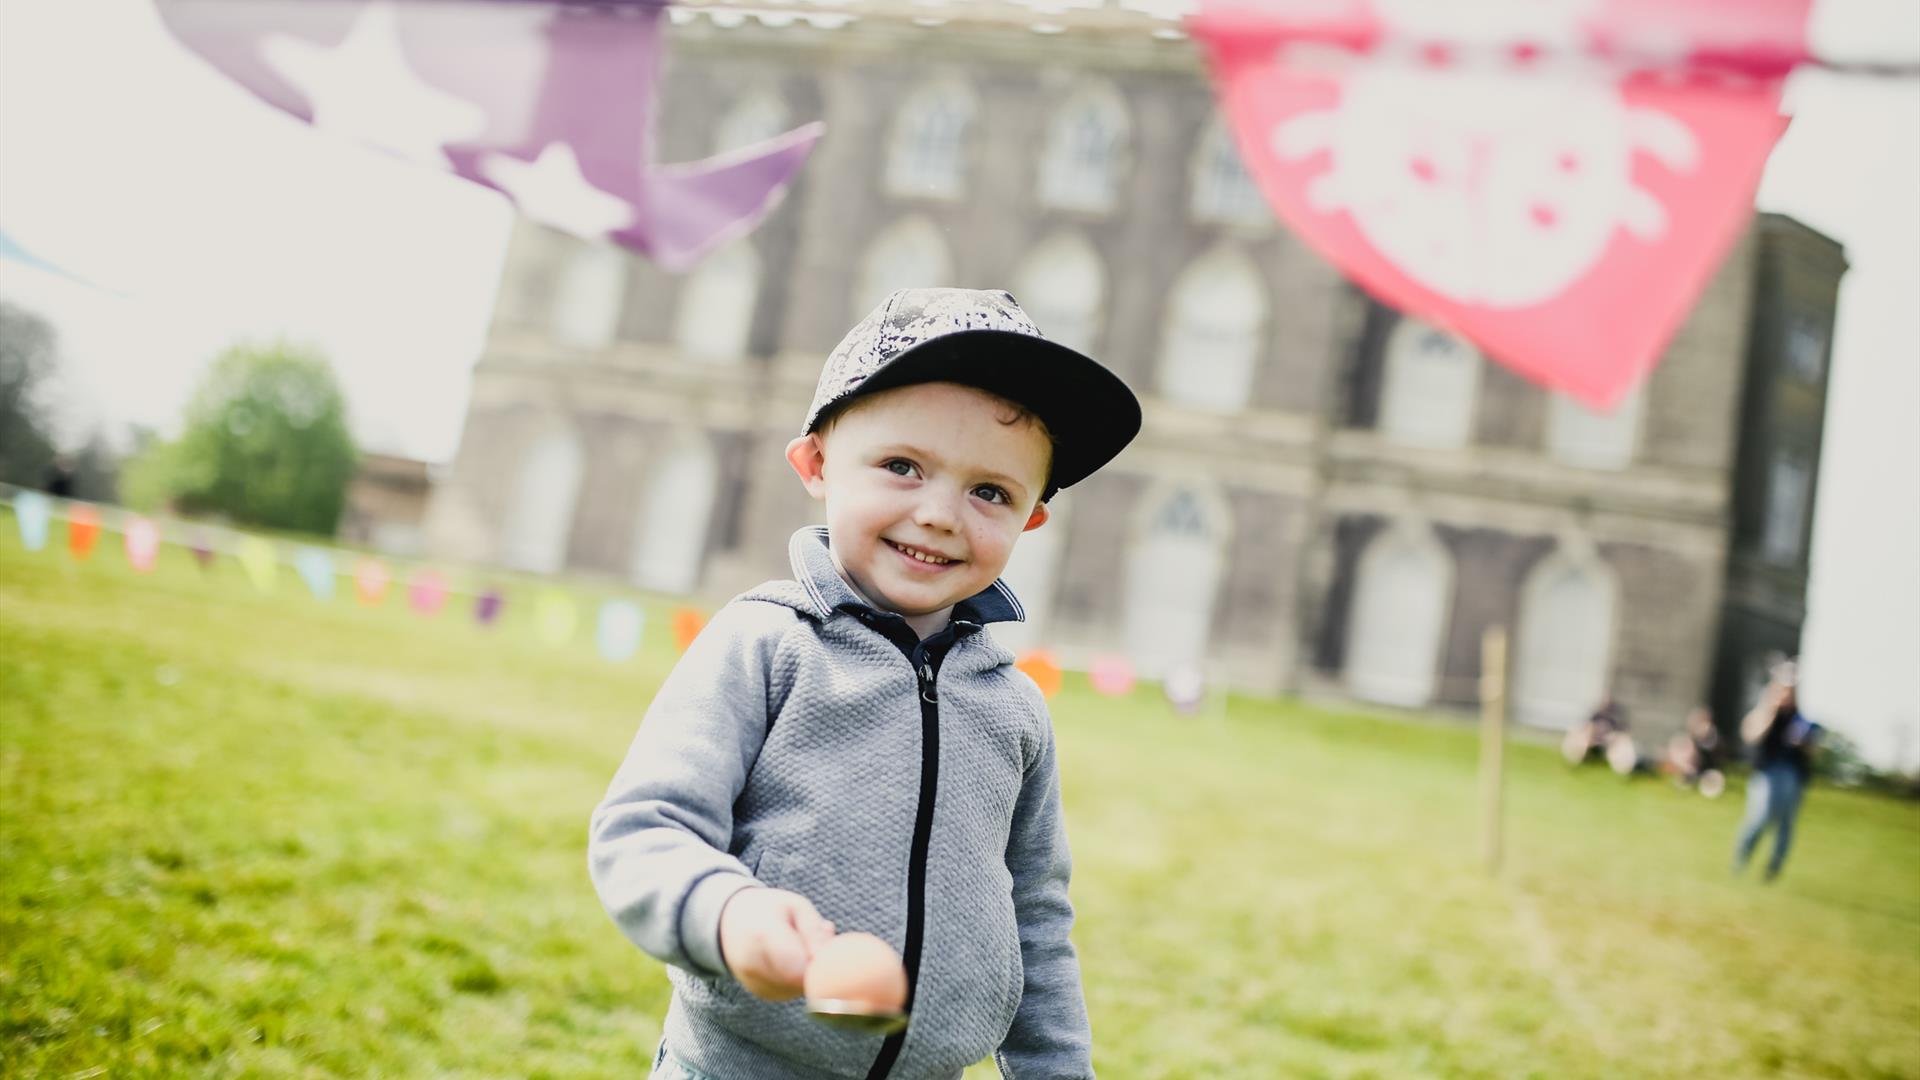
<point>858,969</point>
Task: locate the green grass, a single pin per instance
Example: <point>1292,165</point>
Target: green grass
<point>264,836</point>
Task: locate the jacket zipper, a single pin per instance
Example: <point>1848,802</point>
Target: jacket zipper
<point>923,670</point>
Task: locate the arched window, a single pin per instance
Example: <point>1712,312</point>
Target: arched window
<point>671,535</point>
<point>535,537</point>
<point>716,305</point>
<point>1432,379</point>
<point>1223,191</point>
<point>1783,531</point>
<point>1804,346</point>
<point>1581,436</point>
<point>1217,321</point>
<point>1033,573</point>
<point>755,118</point>
<point>1565,643</point>
<point>1062,286</point>
<point>1399,618</point>
<point>927,154</point>
<point>593,287</point>
<point>1086,150</point>
<point>909,255</point>
<point>1173,571</point>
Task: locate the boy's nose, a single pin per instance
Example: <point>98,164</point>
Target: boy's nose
<point>937,509</point>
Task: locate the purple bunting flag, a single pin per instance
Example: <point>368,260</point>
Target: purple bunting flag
<point>549,103</point>
<point>486,606</point>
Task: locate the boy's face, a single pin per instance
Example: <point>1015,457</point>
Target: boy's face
<point>926,490</point>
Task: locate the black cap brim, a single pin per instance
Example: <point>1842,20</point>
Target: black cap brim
<point>1091,414</point>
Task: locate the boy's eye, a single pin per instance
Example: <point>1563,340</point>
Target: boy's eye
<point>991,493</point>
<point>898,466</point>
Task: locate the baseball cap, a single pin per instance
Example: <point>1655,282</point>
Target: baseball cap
<point>981,338</point>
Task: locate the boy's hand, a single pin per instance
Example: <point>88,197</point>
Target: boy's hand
<point>767,937</point>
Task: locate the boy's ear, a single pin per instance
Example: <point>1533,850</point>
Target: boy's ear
<point>808,456</point>
<point>1038,517</point>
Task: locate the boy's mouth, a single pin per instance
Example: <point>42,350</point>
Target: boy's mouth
<point>920,555</point>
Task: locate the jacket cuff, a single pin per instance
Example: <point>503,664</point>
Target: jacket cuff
<point>700,919</point>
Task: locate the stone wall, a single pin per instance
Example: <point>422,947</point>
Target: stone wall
<point>1306,481</point>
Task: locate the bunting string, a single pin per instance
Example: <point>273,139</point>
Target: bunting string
<point>318,567</point>
<point>555,613</point>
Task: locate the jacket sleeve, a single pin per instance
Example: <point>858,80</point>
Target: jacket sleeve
<point>657,845</point>
<point>1050,1038</point>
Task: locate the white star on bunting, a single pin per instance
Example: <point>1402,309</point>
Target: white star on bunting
<point>366,90</point>
<point>553,192</point>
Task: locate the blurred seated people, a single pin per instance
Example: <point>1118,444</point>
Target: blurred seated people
<point>1602,735</point>
<point>1783,740</point>
<point>1693,755</point>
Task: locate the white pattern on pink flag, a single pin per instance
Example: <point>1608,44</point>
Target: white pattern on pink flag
<point>1556,180</point>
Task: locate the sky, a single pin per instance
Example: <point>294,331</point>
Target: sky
<point>200,217</point>
<point>219,218</point>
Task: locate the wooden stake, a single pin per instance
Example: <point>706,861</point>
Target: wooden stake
<point>1493,737</point>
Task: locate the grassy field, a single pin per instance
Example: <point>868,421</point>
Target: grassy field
<point>265,836</point>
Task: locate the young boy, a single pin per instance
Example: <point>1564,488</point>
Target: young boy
<point>847,750</point>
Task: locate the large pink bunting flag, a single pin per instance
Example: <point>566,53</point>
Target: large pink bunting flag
<point>1554,179</point>
<point>550,103</point>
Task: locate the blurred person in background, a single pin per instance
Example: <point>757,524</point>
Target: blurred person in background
<point>60,477</point>
<point>1603,735</point>
<point>1693,754</point>
<point>1783,742</point>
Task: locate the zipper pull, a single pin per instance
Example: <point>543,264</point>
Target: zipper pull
<point>926,680</point>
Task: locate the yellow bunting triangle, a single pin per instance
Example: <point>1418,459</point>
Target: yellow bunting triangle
<point>555,617</point>
<point>260,561</point>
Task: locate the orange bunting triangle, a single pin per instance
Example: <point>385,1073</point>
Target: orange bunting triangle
<point>83,530</point>
<point>1040,666</point>
<point>687,624</point>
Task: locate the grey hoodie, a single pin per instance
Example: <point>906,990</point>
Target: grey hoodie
<point>908,789</point>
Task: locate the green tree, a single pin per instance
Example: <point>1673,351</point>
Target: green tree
<point>266,443</point>
<point>27,351</point>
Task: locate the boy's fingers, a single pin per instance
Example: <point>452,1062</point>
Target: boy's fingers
<point>822,934</point>
<point>813,929</point>
<point>786,957</point>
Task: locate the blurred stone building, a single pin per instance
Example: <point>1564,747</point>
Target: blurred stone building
<point>1327,498</point>
<point>387,504</point>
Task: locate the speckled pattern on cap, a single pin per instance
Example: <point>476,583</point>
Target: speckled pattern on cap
<point>906,318</point>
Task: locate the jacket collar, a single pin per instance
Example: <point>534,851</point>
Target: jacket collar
<point>828,592</point>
